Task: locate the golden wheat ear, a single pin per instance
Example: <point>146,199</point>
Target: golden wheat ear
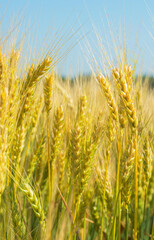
<point>126,97</point>
<point>48,88</point>
<point>109,96</point>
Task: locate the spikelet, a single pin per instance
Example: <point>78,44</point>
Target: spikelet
<point>109,96</point>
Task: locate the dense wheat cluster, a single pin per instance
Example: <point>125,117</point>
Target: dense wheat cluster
<point>76,157</point>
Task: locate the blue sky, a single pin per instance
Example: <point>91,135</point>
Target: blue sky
<point>87,17</point>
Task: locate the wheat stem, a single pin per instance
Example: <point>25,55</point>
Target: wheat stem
<point>152,234</point>
<point>117,193</point>
<point>127,223</point>
<point>104,191</point>
<point>136,187</point>
<point>49,168</point>
<point>119,219</point>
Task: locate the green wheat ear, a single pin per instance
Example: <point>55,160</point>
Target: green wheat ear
<point>34,202</point>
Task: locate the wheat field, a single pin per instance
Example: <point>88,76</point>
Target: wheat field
<point>76,157</point>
